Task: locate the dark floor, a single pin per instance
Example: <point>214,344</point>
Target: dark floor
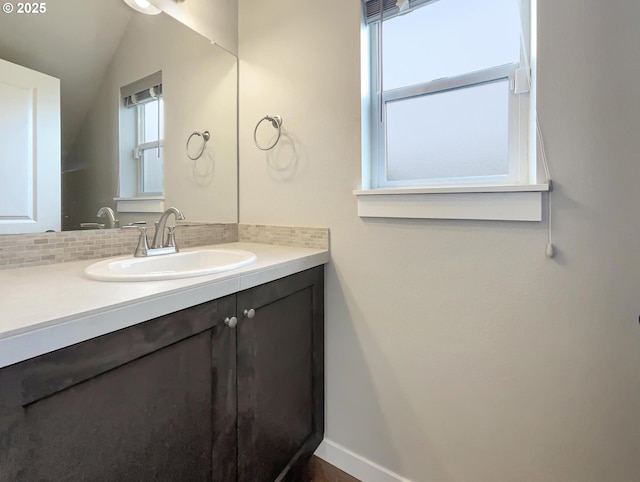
<point>321,471</point>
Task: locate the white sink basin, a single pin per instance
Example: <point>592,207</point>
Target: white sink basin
<point>185,264</point>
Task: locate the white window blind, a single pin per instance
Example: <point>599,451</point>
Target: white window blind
<point>144,90</point>
<point>391,8</point>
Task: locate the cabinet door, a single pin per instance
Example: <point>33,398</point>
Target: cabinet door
<point>224,406</point>
<point>137,404</point>
<point>280,376</point>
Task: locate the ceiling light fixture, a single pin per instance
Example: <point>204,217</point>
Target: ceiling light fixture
<point>143,6</point>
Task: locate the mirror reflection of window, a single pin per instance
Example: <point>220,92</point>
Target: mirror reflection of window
<point>150,124</point>
<point>142,128</point>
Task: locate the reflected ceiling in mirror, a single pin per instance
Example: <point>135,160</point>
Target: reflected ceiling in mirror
<point>97,47</point>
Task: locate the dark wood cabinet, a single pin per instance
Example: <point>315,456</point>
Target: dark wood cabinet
<point>280,376</point>
<point>180,397</point>
<point>137,404</point>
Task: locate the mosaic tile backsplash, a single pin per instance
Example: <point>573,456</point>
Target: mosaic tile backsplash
<point>317,238</point>
<point>22,250</point>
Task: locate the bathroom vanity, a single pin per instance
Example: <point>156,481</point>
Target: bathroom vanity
<point>228,389</point>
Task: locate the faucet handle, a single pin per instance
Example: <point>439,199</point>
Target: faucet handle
<point>91,226</point>
<point>142,248</point>
<point>171,239</point>
<point>136,225</point>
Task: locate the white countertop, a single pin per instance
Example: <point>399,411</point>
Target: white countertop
<point>46,308</point>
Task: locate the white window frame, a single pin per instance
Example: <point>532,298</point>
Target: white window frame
<point>516,196</point>
<point>142,146</point>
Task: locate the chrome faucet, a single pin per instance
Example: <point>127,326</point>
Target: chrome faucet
<point>107,212</point>
<point>158,246</point>
<point>158,236</point>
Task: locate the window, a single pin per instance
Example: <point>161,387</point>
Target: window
<point>141,180</point>
<point>446,96</point>
<point>148,150</point>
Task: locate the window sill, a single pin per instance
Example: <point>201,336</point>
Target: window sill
<point>495,203</point>
<point>140,204</point>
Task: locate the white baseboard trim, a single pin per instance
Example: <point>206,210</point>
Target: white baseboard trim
<point>354,464</point>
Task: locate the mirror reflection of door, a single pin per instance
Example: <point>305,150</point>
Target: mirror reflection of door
<point>29,150</point>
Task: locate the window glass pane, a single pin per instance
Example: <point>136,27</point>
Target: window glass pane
<point>448,38</point>
<point>152,130</point>
<point>151,171</point>
<point>456,133</point>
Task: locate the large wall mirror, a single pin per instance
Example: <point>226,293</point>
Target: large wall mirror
<point>133,88</point>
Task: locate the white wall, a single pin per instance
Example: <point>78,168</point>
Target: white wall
<point>455,350</point>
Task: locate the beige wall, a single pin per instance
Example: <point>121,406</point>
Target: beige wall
<point>455,350</point>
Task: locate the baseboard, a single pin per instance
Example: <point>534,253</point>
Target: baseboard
<point>354,464</point>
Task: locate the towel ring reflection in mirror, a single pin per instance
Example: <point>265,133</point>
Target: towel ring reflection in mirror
<point>276,122</point>
<point>205,137</point>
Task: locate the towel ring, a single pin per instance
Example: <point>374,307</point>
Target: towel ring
<point>205,137</point>
<point>276,122</point>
